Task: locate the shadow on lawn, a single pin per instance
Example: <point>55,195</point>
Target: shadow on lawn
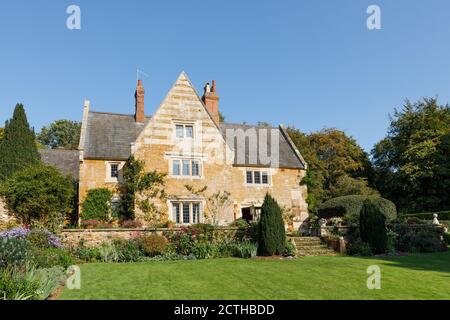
<point>439,262</point>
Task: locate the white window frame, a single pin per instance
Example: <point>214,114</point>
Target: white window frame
<point>180,204</point>
<point>260,172</point>
<point>109,164</point>
<point>189,175</point>
<point>192,125</point>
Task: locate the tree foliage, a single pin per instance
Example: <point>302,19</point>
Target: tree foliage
<point>38,195</point>
<point>61,134</point>
<point>217,203</point>
<point>139,189</point>
<point>97,205</point>
<point>17,148</point>
<point>412,163</point>
<point>272,236</point>
<point>372,227</point>
<point>337,165</point>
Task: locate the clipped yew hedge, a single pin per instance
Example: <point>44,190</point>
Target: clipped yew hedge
<point>442,215</point>
<point>352,205</point>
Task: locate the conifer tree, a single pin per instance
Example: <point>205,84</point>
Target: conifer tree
<point>372,226</point>
<point>272,236</point>
<point>18,146</point>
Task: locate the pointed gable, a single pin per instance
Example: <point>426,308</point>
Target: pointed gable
<point>181,104</point>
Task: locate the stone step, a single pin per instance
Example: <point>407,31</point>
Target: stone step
<point>315,247</point>
<point>308,242</point>
<point>311,246</point>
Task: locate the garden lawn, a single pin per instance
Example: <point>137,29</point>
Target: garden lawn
<point>421,276</point>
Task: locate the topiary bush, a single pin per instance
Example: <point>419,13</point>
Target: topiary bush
<point>350,206</point>
<point>97,205</point>
<point>372,227</point>
<point>272,236</point>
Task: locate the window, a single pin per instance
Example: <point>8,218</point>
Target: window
<point>265,178</point>
<point>196,212</point>
<point>114,170</point>
<point>176,213</point>
<point>189,131</point>
<point>180,131</point>
<point>184,131</point>
<point>176,170</point>
<point>256,177</point>
<point>186,212</point>
<point>249,177</point>
<point>196,168</point>
<point>186,168</point>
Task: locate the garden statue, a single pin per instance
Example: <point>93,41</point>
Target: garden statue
<point>435,219</point>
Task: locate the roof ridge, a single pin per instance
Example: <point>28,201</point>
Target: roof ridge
<point>248,125</point>
<point>115,113</point>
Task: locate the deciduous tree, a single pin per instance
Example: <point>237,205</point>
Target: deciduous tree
<point>61,134</point>
<point>412,162</point>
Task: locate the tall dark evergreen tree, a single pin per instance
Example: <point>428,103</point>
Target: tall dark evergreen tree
<point>272,236</point>
<point>18,146</point>
<point>372,227</point>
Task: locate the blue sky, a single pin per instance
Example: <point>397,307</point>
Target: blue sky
<point>310,63</point>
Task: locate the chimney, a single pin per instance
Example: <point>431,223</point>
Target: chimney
<point>139,115</point>
<point>211,100</point>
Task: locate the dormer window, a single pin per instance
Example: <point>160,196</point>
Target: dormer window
<point>184,131</point>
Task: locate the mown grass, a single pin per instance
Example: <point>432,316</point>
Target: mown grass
<point>421,276</point>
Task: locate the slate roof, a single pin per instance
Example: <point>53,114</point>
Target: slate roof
<point>289,157</point>
<point>66,161</point>
<point>109,135</point>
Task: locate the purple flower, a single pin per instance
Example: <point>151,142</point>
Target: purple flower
<point>18,232</point>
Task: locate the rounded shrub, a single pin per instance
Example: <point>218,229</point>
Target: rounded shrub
<point>372,227</point>
<point>153,244</point>
<point>348,206</point>
<point>97,206</point>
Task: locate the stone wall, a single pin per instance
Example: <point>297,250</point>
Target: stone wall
<point>94,237</point>
<point>4,217</point>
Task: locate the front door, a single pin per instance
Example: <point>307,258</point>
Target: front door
<point>247,214</point>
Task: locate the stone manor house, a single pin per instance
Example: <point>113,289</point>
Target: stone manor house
<point>186,139</point>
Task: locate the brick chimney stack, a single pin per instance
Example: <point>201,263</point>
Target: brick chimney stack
<point>211,100</point>
<point>139,115</point>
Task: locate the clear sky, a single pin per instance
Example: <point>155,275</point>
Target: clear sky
<point>307,63</point>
